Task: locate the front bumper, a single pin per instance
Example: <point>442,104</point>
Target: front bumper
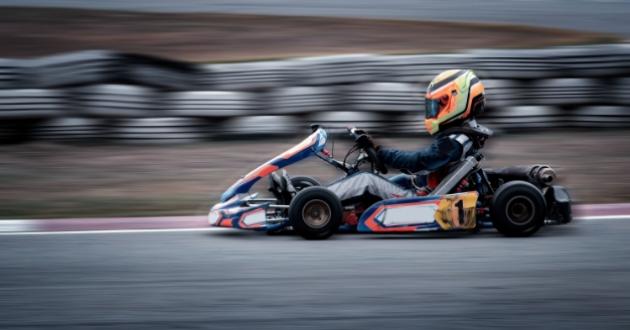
<point>237,213</point>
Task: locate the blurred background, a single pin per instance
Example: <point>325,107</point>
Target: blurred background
<point>117,109</point>
<point>153,108</point>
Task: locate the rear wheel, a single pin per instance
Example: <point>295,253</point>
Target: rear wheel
<point>315,213</point>
<point>301,182</point>
<point>518,209</point>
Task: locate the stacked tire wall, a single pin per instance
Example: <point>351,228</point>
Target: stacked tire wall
<point>108,96</point>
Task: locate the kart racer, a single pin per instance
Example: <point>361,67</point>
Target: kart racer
<point>453,99</point>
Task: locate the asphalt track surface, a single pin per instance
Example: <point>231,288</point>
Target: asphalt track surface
<point>568,277</point>
<point>590,15</point>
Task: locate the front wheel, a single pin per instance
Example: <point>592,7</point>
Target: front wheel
<point>518,209</point>
<point>315,213</point>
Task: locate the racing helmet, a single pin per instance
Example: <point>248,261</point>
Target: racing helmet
<point>452,97</point>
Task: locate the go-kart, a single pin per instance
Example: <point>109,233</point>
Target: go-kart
<point>517,201</point>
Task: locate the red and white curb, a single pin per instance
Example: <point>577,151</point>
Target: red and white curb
<point>619,211</point>
<point>583,212</point>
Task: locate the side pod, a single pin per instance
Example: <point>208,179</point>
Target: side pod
<point>417,214</point>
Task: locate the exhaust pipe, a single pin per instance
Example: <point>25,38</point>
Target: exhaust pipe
<point>544,174</point>
<point>539,175</point>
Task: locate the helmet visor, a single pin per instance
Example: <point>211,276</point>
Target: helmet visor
<point>432,108</point>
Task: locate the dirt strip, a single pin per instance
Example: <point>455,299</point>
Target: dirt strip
<point>27,32</point>
<point>42,180</point>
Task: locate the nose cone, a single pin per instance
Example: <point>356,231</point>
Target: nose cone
<point>214,217</point>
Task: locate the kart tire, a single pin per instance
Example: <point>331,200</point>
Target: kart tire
<point>518,209</point>
<point>315,213</point>
<point>301,182</point>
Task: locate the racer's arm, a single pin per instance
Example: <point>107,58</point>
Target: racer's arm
<point>442,151</point>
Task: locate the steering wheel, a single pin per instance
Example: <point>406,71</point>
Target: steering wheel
<point>359,136</point>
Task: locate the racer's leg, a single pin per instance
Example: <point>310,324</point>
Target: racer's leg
<point>403,180</point>
<point>365,183</point>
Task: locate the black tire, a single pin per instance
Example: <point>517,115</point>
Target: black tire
<point>301,182</point>
<point>315,213</point>
<point>518,209</point>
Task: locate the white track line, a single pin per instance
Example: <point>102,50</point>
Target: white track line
<point>17,226</point>
<point>604,217</point>
<point>113,231</point>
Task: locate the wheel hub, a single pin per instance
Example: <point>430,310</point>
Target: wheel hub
<point>520,210</point>
<point>316,213</point>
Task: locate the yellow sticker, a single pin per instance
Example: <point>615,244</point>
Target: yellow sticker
<point>457,211</point>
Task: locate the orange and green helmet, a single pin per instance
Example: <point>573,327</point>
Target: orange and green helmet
<point>452,96</point>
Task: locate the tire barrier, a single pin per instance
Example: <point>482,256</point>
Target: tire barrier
<point>260,125</point>
<point>406,124</point>
<point>70,129</point>
<point>338,121</point>
<point>339,69</point>
<point>302,100</point>
<point>158,73</point>
<point>105,95</point>
<point>592,61</point>
<point>420,68</point>
<point>12,74</point>
<point>601,116</point>
<point>526,117</point>
<point>504,92</point>
<point>384,97</point>
<point>158,130</point>
<point>118,101</point>
<point>210,104</point>
<point>564,91</point>
<point>513,64</point>
<point>619,91</point>
<point>74,69</point>
<point>35,104</point>
<point>245,76</point>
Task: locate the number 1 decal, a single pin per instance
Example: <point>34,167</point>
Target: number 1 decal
<point>457,211</point>
<point>460,213</point>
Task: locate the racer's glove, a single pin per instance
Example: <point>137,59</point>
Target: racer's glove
<point>366,141</point>
<point>359,131</point>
